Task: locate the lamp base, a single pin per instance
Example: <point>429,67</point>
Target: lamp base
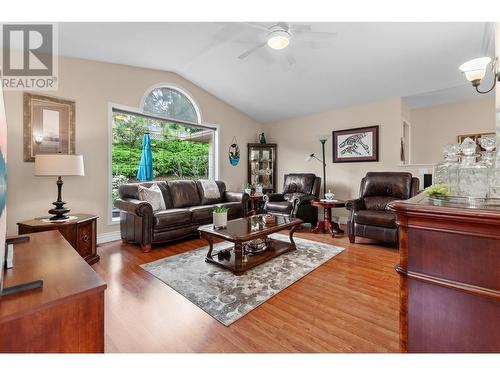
<point>60,211</point>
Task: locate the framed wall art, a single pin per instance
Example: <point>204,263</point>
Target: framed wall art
<point>355,145</point>
<point>49,126</point>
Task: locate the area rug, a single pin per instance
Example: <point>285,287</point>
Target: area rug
<point>227,297</point>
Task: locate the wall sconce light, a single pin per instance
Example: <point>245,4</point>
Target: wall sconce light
<point>475,70</point>
<point>38,139</point>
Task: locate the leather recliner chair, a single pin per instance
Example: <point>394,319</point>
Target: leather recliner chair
<point>299,189</point>
<point>369,215</point>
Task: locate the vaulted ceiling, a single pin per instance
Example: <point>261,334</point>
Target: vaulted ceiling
<point>365,61</point>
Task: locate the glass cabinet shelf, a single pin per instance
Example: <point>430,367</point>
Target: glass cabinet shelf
<point>262,166</point>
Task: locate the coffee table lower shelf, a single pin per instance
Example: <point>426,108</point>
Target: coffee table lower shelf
<point>239,262</point>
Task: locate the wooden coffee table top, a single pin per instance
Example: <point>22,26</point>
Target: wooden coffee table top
<point>250,228</point>
<point>328,204</point>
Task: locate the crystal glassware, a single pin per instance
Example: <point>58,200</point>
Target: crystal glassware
<point>490,159</point>
<point>472,176</point>
<point>446,172</point>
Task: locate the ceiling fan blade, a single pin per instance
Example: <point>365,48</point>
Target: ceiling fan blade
<point>251,50</point>
<point>291,60</point>
<point>312,44</point>
<point>315,35</point>
<point>300,27</point>
<point>256,25</point>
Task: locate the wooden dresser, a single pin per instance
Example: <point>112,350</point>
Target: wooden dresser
<point>66,315</point>
<point>80,232</point>
<point>450,277</point>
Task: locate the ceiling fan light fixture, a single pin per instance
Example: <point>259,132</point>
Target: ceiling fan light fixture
<point>278,39</point>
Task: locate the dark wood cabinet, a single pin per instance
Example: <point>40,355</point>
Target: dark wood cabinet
<point>262,164</point>
<point>450,284</point>
<point>80,232</point>
<point>66,315</point>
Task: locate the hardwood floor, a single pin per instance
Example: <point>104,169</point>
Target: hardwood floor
<point>349,304</point>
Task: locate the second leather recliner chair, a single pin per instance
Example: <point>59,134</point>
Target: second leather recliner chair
<point>299,189</point>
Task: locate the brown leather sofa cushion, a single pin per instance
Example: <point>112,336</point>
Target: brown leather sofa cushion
<point>387,184</point>
<point>378,218</point>
<point>235,208</point>
<point>184,193</point>
<point>172,217</point>
<point>201,214</point>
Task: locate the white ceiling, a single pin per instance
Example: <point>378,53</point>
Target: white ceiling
<point>367,61</point>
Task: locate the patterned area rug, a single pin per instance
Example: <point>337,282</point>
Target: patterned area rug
<point>227,297</point>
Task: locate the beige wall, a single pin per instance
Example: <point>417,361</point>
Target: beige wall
<point>298,137</point>
<point>92,85</point>
<point>433,127</point>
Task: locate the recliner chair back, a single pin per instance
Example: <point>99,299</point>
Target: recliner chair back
<point>378,189</point>
<point>297,184</point>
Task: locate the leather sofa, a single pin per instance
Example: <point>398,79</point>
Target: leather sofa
<point>186,210</point>
<point>299,189</point>
<point>369,215</point>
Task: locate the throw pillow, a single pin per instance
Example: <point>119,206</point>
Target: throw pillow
<point>153,196</point>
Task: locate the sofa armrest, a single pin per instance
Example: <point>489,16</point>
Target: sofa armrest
<point>232,196</point>
<point>304,199</point>
<point>274,197</point>
<point>355,204</point>
<point>134,206</point>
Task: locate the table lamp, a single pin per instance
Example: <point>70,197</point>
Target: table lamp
<point>59,165</point>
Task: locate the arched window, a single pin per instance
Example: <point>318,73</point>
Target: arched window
<point>170,102</point>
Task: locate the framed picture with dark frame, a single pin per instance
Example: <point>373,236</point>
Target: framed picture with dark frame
<point>355,145</point>
<point>49,126</point>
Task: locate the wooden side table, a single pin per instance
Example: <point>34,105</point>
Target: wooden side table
<point>254,201</point>
<point>327,225</point>
<point>80,232</point>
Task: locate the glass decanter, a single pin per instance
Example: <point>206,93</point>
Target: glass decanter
<point>490,159</point>
<point>446,172</point>
<point>472,176</point>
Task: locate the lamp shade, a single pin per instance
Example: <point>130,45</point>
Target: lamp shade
<point>59,165</point>
<point>309,157</point>
<point>475,69</point>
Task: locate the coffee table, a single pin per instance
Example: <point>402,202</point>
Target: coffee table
<point>244,233</point>
<point>327,225</point>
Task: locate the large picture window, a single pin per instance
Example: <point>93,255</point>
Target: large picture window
<point>181,148</point>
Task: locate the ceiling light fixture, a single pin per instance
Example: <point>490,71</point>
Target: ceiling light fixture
<point>278,37</point>
<point>475,70</point>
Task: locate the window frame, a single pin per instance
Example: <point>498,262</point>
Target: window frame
<point>112,107</point>
<point>174,88</point>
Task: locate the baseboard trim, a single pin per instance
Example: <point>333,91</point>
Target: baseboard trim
<point>108,237</point>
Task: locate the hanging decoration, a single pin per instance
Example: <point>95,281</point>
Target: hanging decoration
<point>234,153</point>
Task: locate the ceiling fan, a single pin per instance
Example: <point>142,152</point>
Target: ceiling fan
<point>280,35</point>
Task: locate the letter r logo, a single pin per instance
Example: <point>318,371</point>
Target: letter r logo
<point>27,50</point>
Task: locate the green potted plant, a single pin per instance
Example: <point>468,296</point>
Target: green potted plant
<point>220,217</point>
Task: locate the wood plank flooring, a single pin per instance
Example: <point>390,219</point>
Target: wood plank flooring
<point>349,304</point>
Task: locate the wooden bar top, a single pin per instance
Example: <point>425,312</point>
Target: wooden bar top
<point>47,256</point>
<point>421,203</point>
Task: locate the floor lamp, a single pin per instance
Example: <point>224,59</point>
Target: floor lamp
<point>323,161</point>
